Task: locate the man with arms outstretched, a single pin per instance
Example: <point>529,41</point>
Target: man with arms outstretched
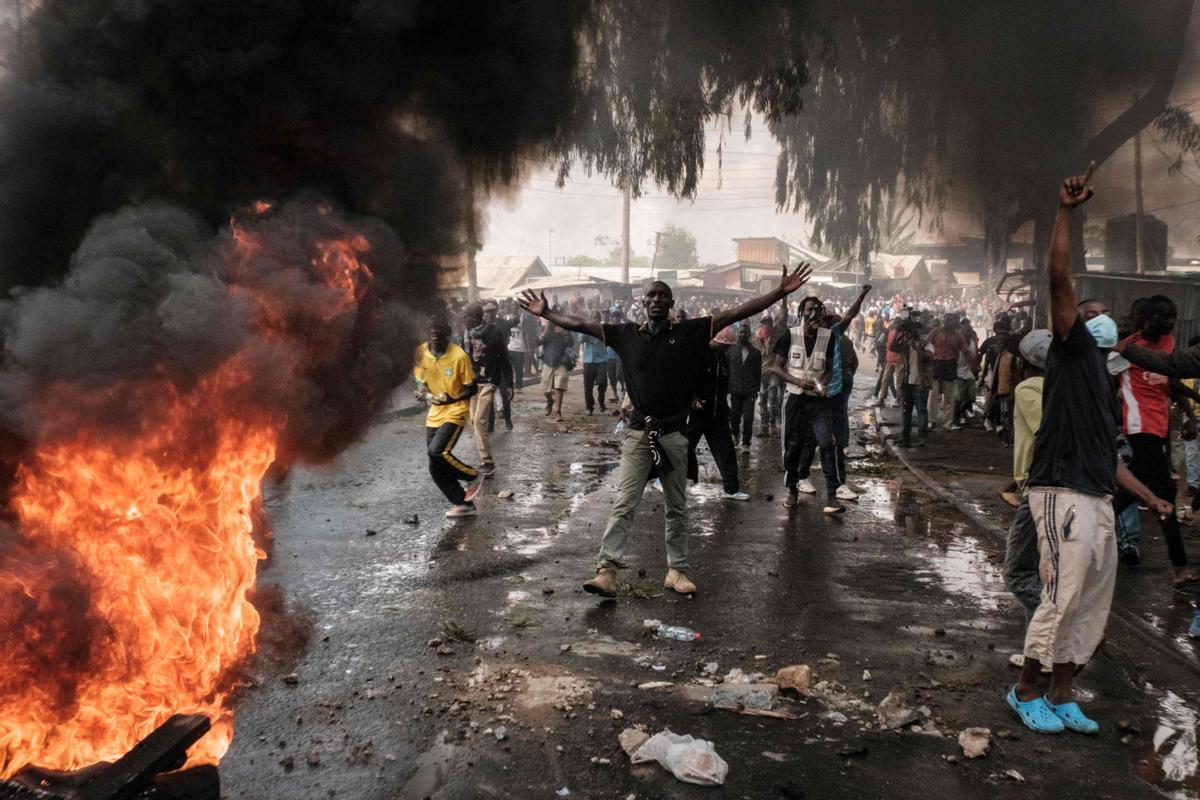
<point>661,361</point>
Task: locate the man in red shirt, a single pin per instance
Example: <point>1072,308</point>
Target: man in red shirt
<point>1145,410</point>
<point>947,343</point>
<point>891,369</point>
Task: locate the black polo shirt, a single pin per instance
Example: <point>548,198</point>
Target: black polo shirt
<point>661,369</point>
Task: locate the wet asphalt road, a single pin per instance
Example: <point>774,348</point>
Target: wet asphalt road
<point>901,594</point>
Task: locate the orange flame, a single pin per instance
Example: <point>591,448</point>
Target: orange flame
<point>162,523</point>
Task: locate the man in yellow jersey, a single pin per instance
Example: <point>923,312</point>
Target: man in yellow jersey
<point>445,379</point>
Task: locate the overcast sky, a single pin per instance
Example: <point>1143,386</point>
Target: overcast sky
<point>738,200</point>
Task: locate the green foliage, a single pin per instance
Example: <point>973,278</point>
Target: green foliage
<point>676,249</point>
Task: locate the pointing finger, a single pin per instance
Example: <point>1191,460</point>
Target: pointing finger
<point>1087,176</point>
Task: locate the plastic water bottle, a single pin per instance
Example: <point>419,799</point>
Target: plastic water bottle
<point>678,633</point>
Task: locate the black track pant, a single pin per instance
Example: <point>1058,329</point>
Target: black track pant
<point>447,471</point>
<point>720,444</point>
<point>1152,466</point>
<point>808,426</point>
<point>595,374</point>
<point>615,375</point>
<point>741,416</point>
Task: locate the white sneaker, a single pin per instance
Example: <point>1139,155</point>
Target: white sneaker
<point>835,509</point>
<point>735,496</point>
<point>805,487</point>
<point>474,486</point>
<point>844,492</point>
<point>988,426</point>
<point>954,428</point>
<point>465,510</point>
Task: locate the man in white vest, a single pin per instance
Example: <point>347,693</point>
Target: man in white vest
<point>803,358</point>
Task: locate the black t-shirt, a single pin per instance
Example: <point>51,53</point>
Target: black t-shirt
<point>555,347</point>
<point>661,369</point>
<point>784,345</point>
<point>1076,446</point>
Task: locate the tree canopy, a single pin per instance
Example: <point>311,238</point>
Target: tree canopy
<point>676,249</point>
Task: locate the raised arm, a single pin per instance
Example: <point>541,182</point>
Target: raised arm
<point>788,283</point>
<point>1063,312</point>
<point>853,310</point>
<point>536,304</point>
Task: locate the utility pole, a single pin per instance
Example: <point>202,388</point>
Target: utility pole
<point>625,199</point>
<point>1139,259</point>
<point>472,237</point>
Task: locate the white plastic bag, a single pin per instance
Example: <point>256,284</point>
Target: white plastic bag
<point>689,759</point>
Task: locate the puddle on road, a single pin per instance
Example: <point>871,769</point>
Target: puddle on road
<point>1171,762</point>
<point>958,562</point>
<point>526,541</point>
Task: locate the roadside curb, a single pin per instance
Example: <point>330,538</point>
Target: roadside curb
<point>1136,626</point>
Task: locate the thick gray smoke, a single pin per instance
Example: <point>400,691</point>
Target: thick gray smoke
<point>137,139</point>
<point>153,295</point>
<point>211,104</point>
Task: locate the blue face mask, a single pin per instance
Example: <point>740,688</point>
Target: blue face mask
<point>1104,330</point>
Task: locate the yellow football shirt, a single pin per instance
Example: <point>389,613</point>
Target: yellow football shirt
<point>450,373</point>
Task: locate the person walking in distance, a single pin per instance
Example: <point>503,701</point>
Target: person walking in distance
<point>595,370</point>
<point>558,359</point>
<point>947,343</point>
<point>614,363</point>
<point>803,359</point>
<point>913,375</point>
<point>486,346</point>
<point>516,355</point>
<point>745,378</point>
<point>886,336</point>
<point>770,400</point>
<point>709,418</point>
<point>661,361</point>
<point>446,381</point>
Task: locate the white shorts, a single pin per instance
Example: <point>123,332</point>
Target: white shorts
<point>1077,546</point>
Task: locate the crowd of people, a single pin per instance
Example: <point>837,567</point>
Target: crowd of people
<point>1085,405</point>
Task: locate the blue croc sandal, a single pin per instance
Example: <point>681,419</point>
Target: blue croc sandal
<point>1073,718</point>
<point>1036,713</point>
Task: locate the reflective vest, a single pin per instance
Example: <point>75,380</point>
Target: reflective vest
<point>802,365</point>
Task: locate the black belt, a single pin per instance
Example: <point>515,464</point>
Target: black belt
<point>655,428</point>
<point>676,423</point>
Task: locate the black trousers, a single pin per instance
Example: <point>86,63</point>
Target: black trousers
<point>447,471</point>
<point>517,359</point>
<point>616,375</point>
<point>595,374</point>
<point>1152,466</point>
<point>715,431</point>
<point>741,416</point>
<point>808,426</point>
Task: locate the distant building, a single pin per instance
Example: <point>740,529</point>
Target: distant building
<point>495,276</point>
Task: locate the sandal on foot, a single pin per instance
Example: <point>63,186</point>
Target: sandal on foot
<point>1037,714</point>
<point>1073,718</point>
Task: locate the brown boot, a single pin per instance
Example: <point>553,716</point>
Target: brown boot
<point>678,581</point>
<point>604,584</point>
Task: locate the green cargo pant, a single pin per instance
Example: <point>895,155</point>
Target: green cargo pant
<point>636,463</point>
